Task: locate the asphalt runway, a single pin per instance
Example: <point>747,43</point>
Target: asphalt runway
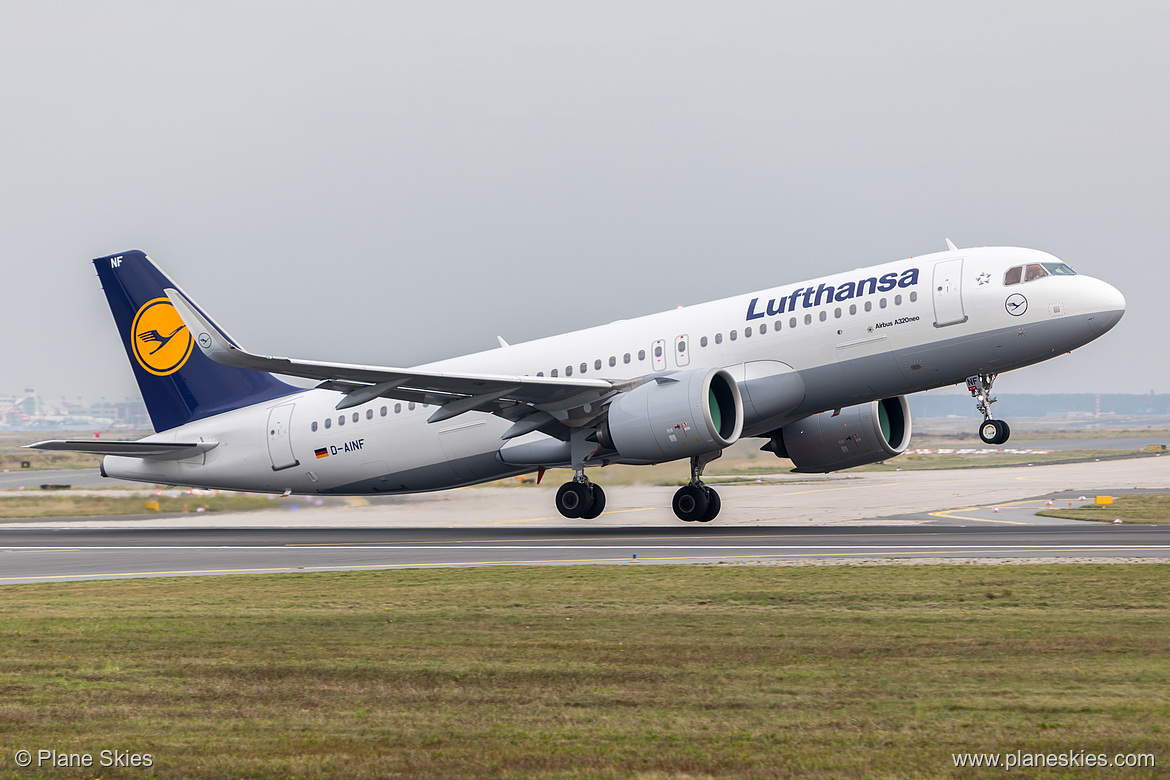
<point>986,514</point>
<point>94,553</point>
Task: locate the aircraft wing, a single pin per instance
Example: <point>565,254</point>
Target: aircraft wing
<point>512,397</point>
<point>149,450</point>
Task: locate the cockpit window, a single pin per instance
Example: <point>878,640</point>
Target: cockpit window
<point>1034,271</point>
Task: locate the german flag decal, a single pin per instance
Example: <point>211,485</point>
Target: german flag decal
<point>322,453</point>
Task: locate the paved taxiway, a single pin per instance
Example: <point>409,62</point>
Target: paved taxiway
<point>972,513</point>
<point>39,556</point>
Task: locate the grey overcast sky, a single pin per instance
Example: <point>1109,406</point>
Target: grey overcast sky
<point>392,183</point>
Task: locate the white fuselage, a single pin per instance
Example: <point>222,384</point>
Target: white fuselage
<point>921,323</point>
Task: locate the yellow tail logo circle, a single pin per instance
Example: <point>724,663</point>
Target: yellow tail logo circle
<point>161,341</point>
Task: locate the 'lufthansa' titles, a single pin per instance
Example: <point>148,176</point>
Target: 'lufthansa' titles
<point>811,297</point>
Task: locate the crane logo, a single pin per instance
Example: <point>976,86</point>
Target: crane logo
<point>1016,304</point>
<point>161,342</point>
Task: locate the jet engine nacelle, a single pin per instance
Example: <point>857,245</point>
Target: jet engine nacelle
<point>675,416</point>
<point>854,436</point>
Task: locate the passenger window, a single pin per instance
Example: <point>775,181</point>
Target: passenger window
<point>718,338</point>
<point>792,322</point>
<point>1013,275</point>
<point>763,329</point>
<point>703,341</point>
<point>328,423</point>
<point>553,372</point>
<point>853,308</point>
<point>776,326</point>
<point>1034,271</point>
<point>369,414</point>
<point>612,361</point>
<point>356,416</point>
<point>808,319</point>
<point>682,346</point>
<point>824,316</point>
<point>641,354</point>
<point>913,297</point>
<point>837,312</point>
<point>597,364</point>
<point>540,373</point>
<point>658,350</point>
<point>341,420</point>
<point>747,332</point>
<point>584,367</point>
<point>733,335</point>
<point>568,370</point>
<point>869,305</point>
<point>410,406</point>
<point>897,300</point>
<point>626,358</point>
<point>882,303</point>
<point>397,408</point>
<point>383,412</point>
<point>314,426</point>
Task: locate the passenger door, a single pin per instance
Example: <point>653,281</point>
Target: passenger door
<point>948,293</point>
<point>280,439</point>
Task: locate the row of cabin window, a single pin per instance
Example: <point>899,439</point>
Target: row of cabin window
<point>734,335</point>
<point>357,415</point>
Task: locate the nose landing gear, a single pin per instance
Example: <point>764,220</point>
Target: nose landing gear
<point>990,431</point>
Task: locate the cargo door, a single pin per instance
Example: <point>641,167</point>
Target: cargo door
<point>948,293</point>
<point>280,437</point>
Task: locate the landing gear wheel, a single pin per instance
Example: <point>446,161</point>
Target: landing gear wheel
<point>574,499</point>
<point>714,503</point>
<point>691,503</point>
<point>994,431</point>
<point>598,506</point>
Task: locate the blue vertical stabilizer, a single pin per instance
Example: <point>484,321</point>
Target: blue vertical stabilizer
<point>177,382</point>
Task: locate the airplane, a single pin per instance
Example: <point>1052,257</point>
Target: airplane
<point>817,370</point>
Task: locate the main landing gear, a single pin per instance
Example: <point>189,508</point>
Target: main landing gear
<point>693,503</point>
<point>581,498</point>
<point>697,503</point>
<point>990,431</point>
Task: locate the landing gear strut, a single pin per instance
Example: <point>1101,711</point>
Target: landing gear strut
<point>695,502</point>
<point>580,498</point>
<point>990,431</point>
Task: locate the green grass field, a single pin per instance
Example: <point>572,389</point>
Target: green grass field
<point>592,671</point>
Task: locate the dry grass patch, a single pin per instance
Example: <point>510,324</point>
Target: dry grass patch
<point>1138,509</point>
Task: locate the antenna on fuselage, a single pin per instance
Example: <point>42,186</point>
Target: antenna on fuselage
<point>951,246</point>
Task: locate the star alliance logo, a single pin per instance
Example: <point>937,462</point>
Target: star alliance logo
<point>983,278</point>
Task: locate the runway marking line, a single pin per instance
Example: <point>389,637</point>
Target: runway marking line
<point>51,549</point>
<point>515,563</point>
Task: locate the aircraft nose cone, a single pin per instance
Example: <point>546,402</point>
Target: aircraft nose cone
<point>1106,304</point>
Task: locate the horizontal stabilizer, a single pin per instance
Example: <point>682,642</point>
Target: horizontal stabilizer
<point>147,450</point>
